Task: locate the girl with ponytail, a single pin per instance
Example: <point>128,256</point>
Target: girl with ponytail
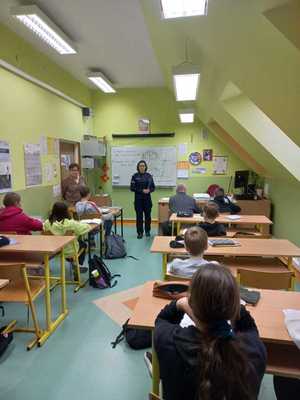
<point>220,357</point>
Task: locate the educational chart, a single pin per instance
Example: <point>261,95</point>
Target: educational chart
<point>220,165</point>
<point>5,167</point>
<point>161,164</point>
<point>33,167</point>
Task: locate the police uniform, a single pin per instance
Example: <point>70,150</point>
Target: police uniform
<point>142,201</point>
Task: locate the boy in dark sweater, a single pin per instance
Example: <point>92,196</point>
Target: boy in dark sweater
<point>210,213</point>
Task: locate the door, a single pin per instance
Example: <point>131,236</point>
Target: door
<point>69,153</point>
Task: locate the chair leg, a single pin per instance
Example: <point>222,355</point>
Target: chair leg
<point>37,329</point>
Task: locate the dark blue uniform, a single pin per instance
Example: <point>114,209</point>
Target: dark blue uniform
<point>142,201</point>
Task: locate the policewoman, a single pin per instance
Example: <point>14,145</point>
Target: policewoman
<point>142,185</point>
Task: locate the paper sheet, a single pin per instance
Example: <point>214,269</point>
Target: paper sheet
<point>33,167</point>
<point>5,167</point>
<point>182,173</point>
<point>182,149</point>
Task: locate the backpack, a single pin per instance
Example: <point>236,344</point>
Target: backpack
<point>136,338</point>
<point>114,246</point>
<point>100,275</point>
<point>5,340</point>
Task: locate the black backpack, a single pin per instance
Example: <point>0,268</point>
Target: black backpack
<point>5,340</point>
<point>100,275</point>
<point>114,246</point>
<point>136,338</point>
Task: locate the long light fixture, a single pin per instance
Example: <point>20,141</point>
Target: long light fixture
<point>101,82</point>
<point>186,116</point>
<point>35,20</point>
<point>183,8</point>
<point>186,80</point>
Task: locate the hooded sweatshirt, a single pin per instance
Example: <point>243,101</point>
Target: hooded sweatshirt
<point>177,349</point>
<point>61,227</point>
<point>13,219</point>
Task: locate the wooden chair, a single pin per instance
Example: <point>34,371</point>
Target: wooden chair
<point>266,280</point>
<point>73,259</point>
<point>21,289</point>
<point>8,233</point>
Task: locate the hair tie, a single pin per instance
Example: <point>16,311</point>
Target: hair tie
<point>222,329</point>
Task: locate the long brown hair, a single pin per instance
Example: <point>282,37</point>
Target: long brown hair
<point>214,299</point>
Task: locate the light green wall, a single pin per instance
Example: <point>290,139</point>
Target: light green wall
<point>27,113</point>
<point>15,51</point>
<point>286,215</point>
<point>120,113</point>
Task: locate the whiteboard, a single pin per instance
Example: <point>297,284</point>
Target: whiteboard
<point>161,163</point>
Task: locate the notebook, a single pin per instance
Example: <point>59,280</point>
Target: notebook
<point>223,242</point>
<point>233,217</point>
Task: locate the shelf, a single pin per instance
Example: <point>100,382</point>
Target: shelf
<point>142,135</point>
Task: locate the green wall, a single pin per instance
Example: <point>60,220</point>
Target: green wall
<point>27,113</point>
<point>120,113</point>
<point>286,216</point>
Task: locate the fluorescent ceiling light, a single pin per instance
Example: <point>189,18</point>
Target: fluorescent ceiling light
<point>102,82</point>
<point>186,80</point>
<point>183,8</point>
<point>34,19</point>
<point>186,116</point>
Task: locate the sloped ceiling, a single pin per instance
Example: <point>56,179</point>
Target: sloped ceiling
<point>236,43</point>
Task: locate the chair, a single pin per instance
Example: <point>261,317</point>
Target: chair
<point>266,280</point>
<point>21,289</point>
<point>73,259</point>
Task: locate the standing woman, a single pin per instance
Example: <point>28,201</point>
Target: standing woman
<point>142,185</point>
<point>72,184</point>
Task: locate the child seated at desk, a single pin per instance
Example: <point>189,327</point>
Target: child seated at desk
<point>13,219</point>
<point>60,222</point>
<point>220,355</point>
<point>211,227</point>
<point>195,241</point>
<point>85,206</point>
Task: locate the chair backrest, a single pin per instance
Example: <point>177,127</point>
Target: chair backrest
<point>266,280</point>
<point>8,233</point>
<point>12,272</point>
<point>90,215</point>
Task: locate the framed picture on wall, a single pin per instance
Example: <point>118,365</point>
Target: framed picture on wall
<point>220,165</point>
<point>207,155</point>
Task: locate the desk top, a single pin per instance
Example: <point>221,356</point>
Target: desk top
<point>223,219</point>
<point>267,313</point>
<point>38,244</point>
<point>248,247</point>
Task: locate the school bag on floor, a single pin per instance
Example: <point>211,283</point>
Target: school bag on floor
<point>100,275</point>
<point>5,340</point>
<point>136,338</point>
<point>114,246</point>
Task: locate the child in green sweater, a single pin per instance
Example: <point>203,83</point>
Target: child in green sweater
<point>60,222</point>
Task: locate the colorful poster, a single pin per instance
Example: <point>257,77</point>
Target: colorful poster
<point>207,155</point>
<point>5,167</point>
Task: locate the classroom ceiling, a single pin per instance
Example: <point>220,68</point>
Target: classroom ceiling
<point>111,35</point>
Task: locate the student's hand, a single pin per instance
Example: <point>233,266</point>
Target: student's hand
<point>183,305</point>
<point>146,191</point>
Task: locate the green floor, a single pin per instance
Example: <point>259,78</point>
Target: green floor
<point>77,361</point>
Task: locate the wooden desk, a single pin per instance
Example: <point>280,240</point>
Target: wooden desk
<point>40,248</point>
<point>283,355</point>
<point>247,248</point>
<point>261,221</point>
<point>249,207</point>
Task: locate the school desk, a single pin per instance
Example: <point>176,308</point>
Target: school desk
<point>248,207</point>
<point>278,248</point>
<point>283,355</point>
<point>37,250</point>
<point>260,221</point>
